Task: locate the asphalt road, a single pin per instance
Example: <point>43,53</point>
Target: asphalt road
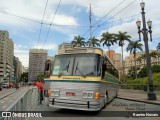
<point>113,108</point>
<point>7,101</point>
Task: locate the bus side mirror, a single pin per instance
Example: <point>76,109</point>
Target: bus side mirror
<point>104,67</point>
<point>47,71</point>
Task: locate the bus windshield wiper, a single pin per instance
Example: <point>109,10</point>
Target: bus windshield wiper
<point>77,68</point>
<point>66,68</point>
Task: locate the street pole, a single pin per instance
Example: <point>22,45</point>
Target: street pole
<point>145,31</point>
<point>90,20</point>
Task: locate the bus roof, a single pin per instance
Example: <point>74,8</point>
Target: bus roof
<point>78,50</point>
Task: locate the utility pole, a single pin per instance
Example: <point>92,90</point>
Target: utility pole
<point>90,19</point>
<point>145,32</point>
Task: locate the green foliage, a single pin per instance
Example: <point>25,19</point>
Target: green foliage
<point>40,76</point>
<point>142,81</point>
<point>143,72</point>
<point>134,46</point>
<point>78,41</point>
<point>107,39</point>
<point>121,37</point>
<point>24,77</point>
<point>131,72</point>
<point>158,46</point>
<point>93,42</point>
<point>156,68</point>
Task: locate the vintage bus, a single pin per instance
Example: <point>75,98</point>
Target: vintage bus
<point>81,78</point>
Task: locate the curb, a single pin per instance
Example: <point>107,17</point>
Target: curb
<point>149,102</point>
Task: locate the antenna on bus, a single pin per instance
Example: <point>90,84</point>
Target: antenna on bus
<point>90,19</point>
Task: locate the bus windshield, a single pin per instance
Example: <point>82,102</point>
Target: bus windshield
<point>77,65</point>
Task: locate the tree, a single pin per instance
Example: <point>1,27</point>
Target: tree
<point>158,46</point>
<point>143,72</point>
<point>131,72</point>
<point>121,37</point>
<point>78,41</point>
<point>158,49</point>
<point>107,40</point>
<point>24,77</point>
<point>154,55</point>
<point>93,42</point>
<point>156,68</point>
<point>133,47</point>
<point>40,76</point>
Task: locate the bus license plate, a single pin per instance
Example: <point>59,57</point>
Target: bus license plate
<point>70,94</point>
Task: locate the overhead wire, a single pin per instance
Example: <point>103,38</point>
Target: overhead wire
<point>20,17</point>
<point>109,12</point>
<point>41,24</point>
<point>51,23</point>
<point>113,16</point>
<point>60,24</point>
<point>104,17</point>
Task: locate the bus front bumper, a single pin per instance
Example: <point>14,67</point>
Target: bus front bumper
<point>75,104</point>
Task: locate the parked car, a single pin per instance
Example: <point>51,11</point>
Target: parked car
<point>5,85</point>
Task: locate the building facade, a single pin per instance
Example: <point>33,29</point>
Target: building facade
<point>18,68</point>
<point>140,60</point>
<point>116,60</point>
<point>6,56</point>
<point>37,59</point>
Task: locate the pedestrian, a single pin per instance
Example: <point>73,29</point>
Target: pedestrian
<point>41,91</point>
<point>39,84</point>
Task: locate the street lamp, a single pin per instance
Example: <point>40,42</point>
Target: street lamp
<point>144,31</point>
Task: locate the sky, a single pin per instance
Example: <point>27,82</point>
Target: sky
<point>42,24</point>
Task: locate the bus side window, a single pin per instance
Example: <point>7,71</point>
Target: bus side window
<point>47,71</point>
<point>103,69</point>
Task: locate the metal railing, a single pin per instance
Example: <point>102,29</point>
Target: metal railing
<point>138,87</point>
<point>24,103</point>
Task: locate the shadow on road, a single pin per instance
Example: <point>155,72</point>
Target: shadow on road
<point>74,113</point>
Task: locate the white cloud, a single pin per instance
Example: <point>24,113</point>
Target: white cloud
<point>33,9</point>
<point>46,47</point>
<point>22,52</point>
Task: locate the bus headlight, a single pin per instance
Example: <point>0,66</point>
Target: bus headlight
<point>87,94</point>
<point>55,93</point>
<point>90,95</point>
<point>97,95</point>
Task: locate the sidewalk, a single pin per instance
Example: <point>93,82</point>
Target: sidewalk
<point>138,96</point>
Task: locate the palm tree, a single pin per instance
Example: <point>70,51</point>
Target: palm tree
<point>158,47</point>
<point>78,41</point>
<point>108,40</point>
<point>93,42</point>
<point>133,47</point>
<point>121,37</point>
